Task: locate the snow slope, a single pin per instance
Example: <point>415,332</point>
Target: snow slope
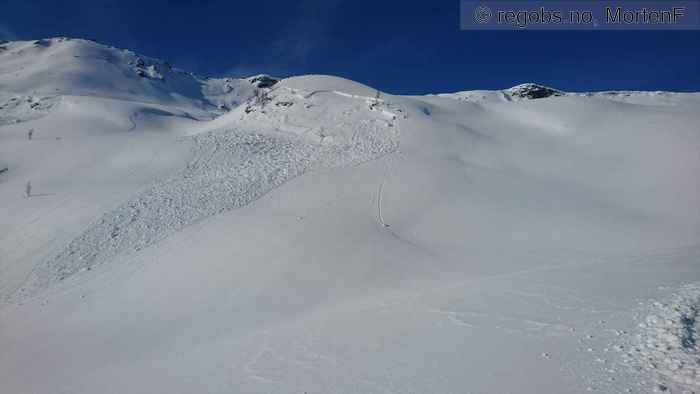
<point>319,236</point>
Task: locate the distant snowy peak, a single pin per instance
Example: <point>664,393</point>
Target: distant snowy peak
<point>533,91</point>
<point>68,66</point>
<point>526,91</point>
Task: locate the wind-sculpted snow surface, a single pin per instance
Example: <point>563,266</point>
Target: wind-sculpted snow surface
<point>666,348</point>
<point>230,170</point>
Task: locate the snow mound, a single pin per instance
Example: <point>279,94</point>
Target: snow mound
<point>667,346</point>
<point>323,109</point>
<point>327,83</point>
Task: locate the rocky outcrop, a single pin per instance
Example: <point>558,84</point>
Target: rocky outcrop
<point>532,91</point>
<point>263,81</point>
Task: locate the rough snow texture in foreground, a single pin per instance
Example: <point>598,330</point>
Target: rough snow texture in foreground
<point>666,349</point>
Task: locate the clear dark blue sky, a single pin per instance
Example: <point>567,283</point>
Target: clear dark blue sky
<point>397,46</point>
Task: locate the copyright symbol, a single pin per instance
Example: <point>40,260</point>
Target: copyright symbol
<point>482,14</point>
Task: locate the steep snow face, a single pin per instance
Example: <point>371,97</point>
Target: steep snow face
<point>63,66</point>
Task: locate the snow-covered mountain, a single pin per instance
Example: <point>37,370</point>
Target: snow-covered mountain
<point>37,71</point>
<point>313,234</point>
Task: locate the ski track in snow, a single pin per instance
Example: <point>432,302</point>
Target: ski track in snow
<point>380,191</point>
<point>229,170</point>
<point>132,121</point>
<point>666,349</point>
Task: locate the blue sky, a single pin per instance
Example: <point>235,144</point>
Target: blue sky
<point>409,47</point>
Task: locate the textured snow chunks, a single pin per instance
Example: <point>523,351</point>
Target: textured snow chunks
<point>667,346</point>
<point>229,170</point>
<point>18,108</point>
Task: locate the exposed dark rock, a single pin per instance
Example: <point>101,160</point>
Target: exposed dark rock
<point>532,91</point>
<point>42,43</point>
<point>263,81</point>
